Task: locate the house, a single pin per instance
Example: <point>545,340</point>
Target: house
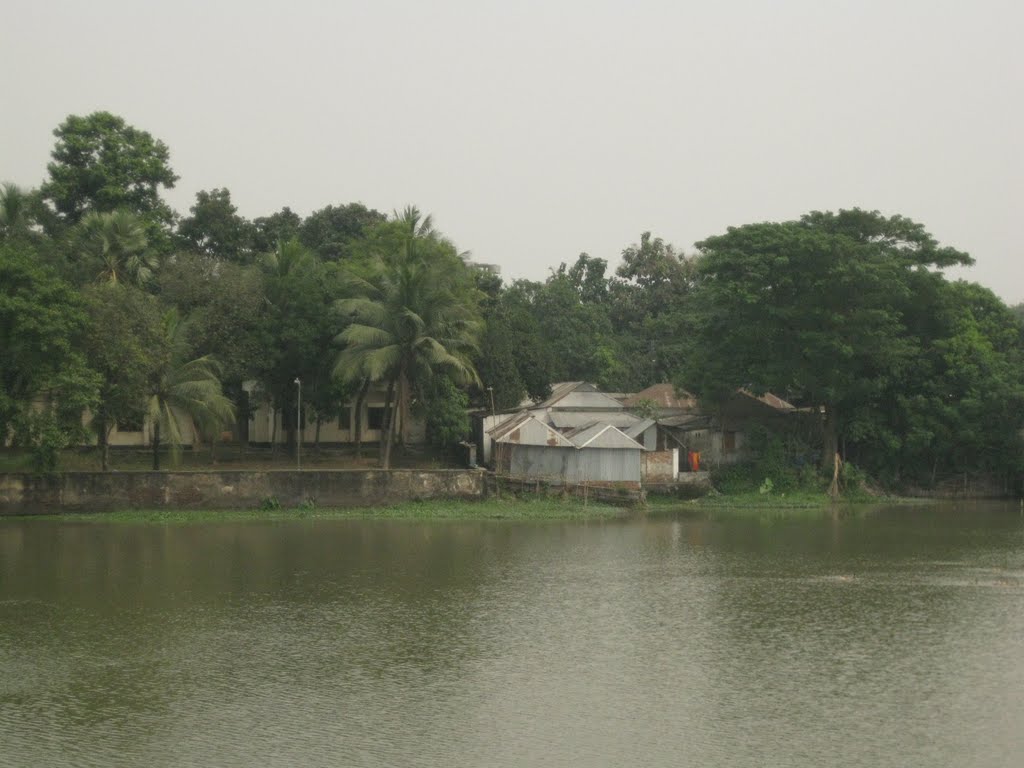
<point>537,439</point>
<point>572,404</point>
<point>578,435</point>
<point>721,433</point>
<point>266,424</point>
<point>664,400</point>
<point>595,452</point>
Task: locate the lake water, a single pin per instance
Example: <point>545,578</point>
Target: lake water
<point>888,637</point>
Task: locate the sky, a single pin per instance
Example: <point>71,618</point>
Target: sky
<point>534,131</point>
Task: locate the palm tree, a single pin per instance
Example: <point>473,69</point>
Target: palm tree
<point>288,256</point>
<point>416,318</point>
<point>117,242</point>
<point>184,390</point>
<point>14,215</point>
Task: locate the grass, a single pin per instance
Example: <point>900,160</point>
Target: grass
<point>774,505</point>
<point>490,509</point>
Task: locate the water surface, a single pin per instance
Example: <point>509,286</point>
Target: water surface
<point>889,637</point>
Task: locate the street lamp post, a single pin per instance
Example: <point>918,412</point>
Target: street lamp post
<point>298,426</point>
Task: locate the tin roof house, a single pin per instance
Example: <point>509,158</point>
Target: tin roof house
<point>596,452</point>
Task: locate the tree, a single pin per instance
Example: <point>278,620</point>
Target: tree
<point>416,318</point>
<point>101,164</point>
<point>809,308</point>
<point>280,227</point>
<point>572,310</point>
<point>122,343</point>
<point>1018,311</point>
<point>515,359</point>
<point>649,311</point>
<point>14,211</point>
<point>299,327</point>
<point>183,388</point>
<point>113,248</point>
<point>445,407</point>
<point>44,381</point>
<point>959,407</point>
<point>227,307</point>
<point>215,228</point>
<point>333,232</point>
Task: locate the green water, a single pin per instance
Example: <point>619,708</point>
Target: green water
<point>884,638</point>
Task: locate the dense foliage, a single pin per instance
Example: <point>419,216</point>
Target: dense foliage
<point>115,307</point>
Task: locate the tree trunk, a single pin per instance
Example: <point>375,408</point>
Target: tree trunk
<point>316,437</point>
<point>389,418</point>
<point>403,411</point>
<point>360,399</point>
<point>830,438</point>
<point>273,433</point>
<point>395,421</point>
<point>103,435</point>
<point>833,489</point>
<point>156,446</point>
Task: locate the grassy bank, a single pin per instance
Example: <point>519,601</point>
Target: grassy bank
<point>490,509</point>
<point>797,503</point>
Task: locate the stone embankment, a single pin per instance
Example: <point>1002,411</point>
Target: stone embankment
<point>24,493</point>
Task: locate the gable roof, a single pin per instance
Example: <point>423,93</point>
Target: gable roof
<point>599,435</point>
<point>579,395</point>
<point>533,431</point>
<point>664,396</point>
<point>504,427</point>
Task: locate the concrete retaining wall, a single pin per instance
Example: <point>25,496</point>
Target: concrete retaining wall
<point>22,493</point>
<point>689,485</point>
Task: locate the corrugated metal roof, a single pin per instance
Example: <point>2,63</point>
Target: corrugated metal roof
<point>576,419</point>
<point>639,428</point>
<point>532,431</point>
<point>510,423</point>
<point>664,396</point>
<point>558,391</point>
<point>687,422</point>
<point>603,436</point>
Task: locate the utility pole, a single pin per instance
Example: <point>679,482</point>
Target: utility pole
<point>491,391</point>
<point>298,426</point>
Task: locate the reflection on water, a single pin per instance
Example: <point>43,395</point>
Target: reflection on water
<point>889,638</point>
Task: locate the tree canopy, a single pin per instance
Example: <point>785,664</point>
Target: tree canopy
<point>102,164</point>
<point>111,306</point>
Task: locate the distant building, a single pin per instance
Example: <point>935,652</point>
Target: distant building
<point>494,269</point>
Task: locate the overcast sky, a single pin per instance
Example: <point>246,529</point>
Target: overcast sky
<point>537,130</point>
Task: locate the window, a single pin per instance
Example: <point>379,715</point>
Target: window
<point>375,418</point>
<point>729,442</point>
<point>345,417</point>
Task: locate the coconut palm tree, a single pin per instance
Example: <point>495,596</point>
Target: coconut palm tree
<point>14,215</point>
<point>417,317</point>
<point>116,242</point>
<point>183,392</point>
